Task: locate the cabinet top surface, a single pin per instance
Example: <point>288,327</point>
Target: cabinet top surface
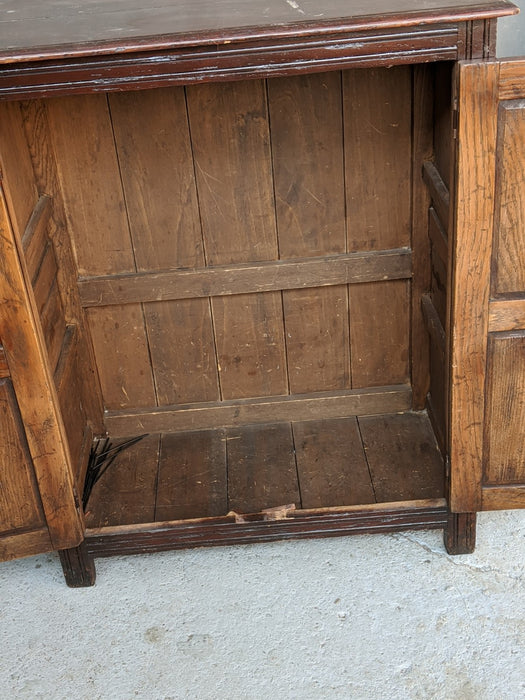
<point>45,29</point>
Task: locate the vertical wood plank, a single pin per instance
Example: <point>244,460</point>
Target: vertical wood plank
<point>192,479</point>
<point>509,223</point>
<point>230,137</point>
<point>307,152</point>
<point>331,464</point>
<point>154,151</point>
<point>379,331</point>
<point>505,417</point>
<point>261,468</point>
<point>470,255</point>
<point>377,136</point>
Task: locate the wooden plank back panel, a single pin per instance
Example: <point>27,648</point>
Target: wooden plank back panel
<point>505,413</point>
<point>307,155</point>
<point>231,147</point>
<point>154,152</point>
<point>94,202</point>
<point>509,205</point>
<point>19,500</point>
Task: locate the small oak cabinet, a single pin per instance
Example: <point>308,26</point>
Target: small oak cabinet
<point>262,273</point>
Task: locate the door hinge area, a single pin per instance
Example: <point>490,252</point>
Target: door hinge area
<point>455,118</point>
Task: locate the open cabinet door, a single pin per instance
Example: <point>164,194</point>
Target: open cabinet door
<point>487,314</point>
<point>38,504</point>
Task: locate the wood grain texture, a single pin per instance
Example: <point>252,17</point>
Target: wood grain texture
<point>377,121</point>
<point>379,333</point>
<point>204,416</point>
<point>507,315</point>
<point>512,77</point>
<point>35,391</point>
<point>503,497</point>
<point>505,413</point>
<point>192,480</point>
<point>471,280</point>
<point>36,234</point>
<point>261,468</point>
<point>133,476</point>
<point>331,464</point>
<point>20,506</point>
<point>244,278</point>
<point>509,221</point>
<point>403,456</point>
<point>25,544</point>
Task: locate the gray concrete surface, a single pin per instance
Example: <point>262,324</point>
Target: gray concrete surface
<point>365,618</point>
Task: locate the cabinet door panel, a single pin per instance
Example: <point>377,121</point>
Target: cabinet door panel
<point>487,315</point>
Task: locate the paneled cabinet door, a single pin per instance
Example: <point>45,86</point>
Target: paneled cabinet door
<point>487,319</point>
<point>38,505</point>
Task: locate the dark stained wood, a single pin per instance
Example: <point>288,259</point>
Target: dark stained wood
<point>438,192</point>
<point>78,566</point>
<point>505,410</point>
<point>379,333</point>
<point>261,468</point>
<point>509,223</point>
<point>422,149</point>
<point>444,120</point>
<point>4,367</point>
<point>433,323</point>
<point>192,479</point>
<point>460,533</point>
<point>243,278</point>
<point>133,476</point>
<point>438,236</point>
<point>377,118</point>
<point>332,522</point>
<point>331,464</point>
<point>20,506</point>
<point>53,325</point>
<point>203,416</point>
<point>403,456</point>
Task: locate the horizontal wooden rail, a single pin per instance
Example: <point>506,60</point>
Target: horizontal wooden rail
<point>271,409</point>
<point>438,191</point>
<point>503,497</point>
<point>506,315</point>
<point>326,522</point>
<point>246,278</point>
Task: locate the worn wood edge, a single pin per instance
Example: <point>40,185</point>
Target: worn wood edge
<point>68,350</point>
<point>434,327</point>
<point>438,192</point>
<point>506,315</point>
<point>78,566</point>
<point>34,237</point>
<point>460,533</point>
<point>329,522</point>
<point>220,280</point>
<point>503,497</point>
<point>32,379</point>
<point>17,544</point>
<point>438,236</point>
<point>274,409</point>
<point>4,367</point>
<point>373,23</point>
<point>469,276</point>
<point>436,426</point>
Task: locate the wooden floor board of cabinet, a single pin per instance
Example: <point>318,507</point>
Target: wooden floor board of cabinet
<point>279,244</point>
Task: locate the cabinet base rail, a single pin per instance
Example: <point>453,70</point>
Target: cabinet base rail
<point>78,562</point>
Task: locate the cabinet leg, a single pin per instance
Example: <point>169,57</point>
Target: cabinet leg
<point>460,533</point>
<point>78,566</point>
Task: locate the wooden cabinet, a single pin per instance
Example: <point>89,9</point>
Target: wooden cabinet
<point>262,274</point>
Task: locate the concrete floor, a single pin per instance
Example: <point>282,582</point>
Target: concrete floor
<point>369,617</point>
